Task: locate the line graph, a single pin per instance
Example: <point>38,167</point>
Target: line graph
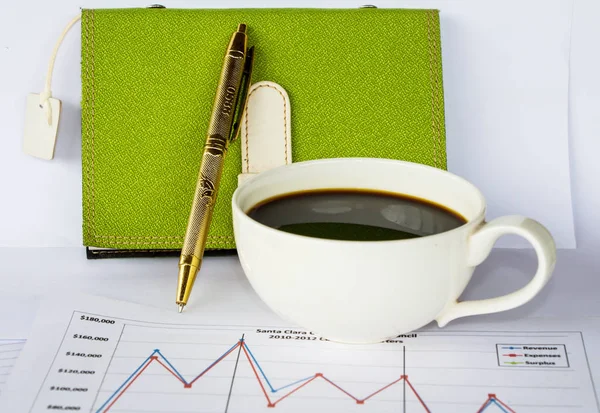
<point>144,367</point>
<point>157,357</point>
<point>266,386</point>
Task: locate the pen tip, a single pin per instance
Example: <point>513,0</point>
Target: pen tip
<point>181,307</point>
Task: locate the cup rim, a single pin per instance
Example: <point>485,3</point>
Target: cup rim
<point>476,220</point>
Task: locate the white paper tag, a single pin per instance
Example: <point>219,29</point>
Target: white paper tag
<point>39,139</point>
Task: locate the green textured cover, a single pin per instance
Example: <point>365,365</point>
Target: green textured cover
<point>361,82</point>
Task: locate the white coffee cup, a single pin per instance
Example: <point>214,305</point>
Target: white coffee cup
<point>363,292</point>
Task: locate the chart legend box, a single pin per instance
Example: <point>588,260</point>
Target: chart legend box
<point>532,355</point>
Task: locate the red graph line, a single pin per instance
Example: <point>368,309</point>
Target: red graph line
<point>215,363</point>
<point>294,391</point>
<point>485,403</point>
<point>130,383</point>
<point>416,394</point>
<point>170,371</point>
<point>257,378</point>
<point>382,389</point>
<point>338,387</point>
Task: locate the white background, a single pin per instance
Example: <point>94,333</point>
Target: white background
<point>43,199</point>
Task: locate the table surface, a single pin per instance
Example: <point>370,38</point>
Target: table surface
<point>29,274</point>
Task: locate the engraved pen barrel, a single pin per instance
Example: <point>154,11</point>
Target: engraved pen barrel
<point>217,141</point>
<point>225,102</point>
<point>211,167</point>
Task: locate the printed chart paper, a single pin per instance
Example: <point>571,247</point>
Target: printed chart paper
<point>9,353</point>
<point>106,356</point>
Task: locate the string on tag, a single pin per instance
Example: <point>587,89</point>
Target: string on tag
<point>47,93</point>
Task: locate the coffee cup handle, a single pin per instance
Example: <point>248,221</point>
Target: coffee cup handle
<point>480,245</point>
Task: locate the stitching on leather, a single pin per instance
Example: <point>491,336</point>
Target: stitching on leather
<point>175,241</point>
<point>431,76</point>
<point>285,131</point>
<point>93,114</point>
<point>85,29</point>
<point>91,117</point>
<point>154,237</point>
<point>125,242</point>
<point>141,236</point>
<point>246,134</point>
<point>438,106</point>
<point>90,131</point>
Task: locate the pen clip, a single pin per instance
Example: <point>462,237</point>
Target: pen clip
<point>244,87</point>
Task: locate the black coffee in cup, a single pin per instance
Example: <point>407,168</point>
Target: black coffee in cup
<point>355,215</point>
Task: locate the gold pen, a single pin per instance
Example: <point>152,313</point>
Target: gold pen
<point>222,130</point>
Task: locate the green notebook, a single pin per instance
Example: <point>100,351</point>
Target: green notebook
<point>363,82</point>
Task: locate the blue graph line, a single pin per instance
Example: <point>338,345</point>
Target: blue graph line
<point>499,406</point>
<point>291,384</point>
<point>493,402</point>
<point>511,348</point>
<point>214,362</point>
<point>126,381</point>
<point>273,390</point>
<point>170,365</point>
